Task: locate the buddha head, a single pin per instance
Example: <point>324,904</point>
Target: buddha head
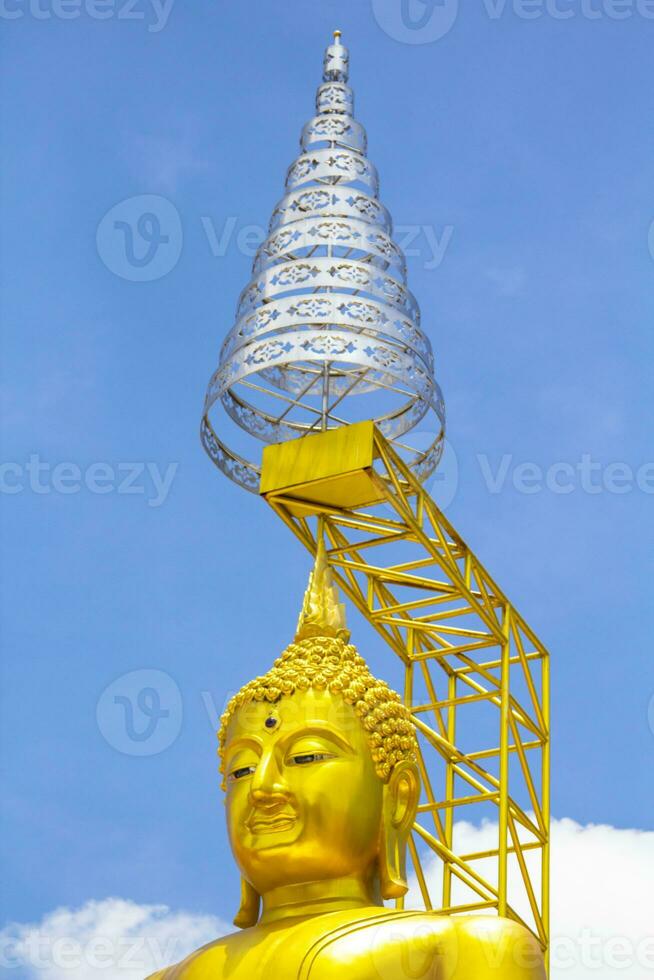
<point>318,764</point>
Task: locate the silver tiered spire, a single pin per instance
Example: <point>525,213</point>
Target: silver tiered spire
<point>327,314</point>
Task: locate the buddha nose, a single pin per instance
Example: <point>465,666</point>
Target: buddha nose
<point>268,786</point>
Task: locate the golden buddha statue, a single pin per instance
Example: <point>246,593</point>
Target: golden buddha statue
<point>318,760</point>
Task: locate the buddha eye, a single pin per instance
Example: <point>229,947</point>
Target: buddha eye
<point>307,758</point>
<point>241,773</point>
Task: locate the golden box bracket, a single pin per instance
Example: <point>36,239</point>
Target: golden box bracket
<point>475,675</point>
<point>330,469</point>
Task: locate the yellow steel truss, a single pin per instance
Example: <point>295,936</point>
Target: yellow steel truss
<point>476,676</point>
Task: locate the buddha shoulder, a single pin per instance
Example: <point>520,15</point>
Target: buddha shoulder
<point>429,947</point>
<point>370,946</point>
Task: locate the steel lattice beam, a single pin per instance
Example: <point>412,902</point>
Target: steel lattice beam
<point>464,650</point>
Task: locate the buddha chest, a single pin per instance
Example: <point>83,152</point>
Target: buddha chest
<point>370,944</point>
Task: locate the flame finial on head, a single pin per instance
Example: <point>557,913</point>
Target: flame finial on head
<point>322,614</point>
<point>321,659</point>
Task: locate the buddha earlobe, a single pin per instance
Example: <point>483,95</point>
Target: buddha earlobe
<point>392,866</point>
<point>400,803</point>
<point>248,913</point>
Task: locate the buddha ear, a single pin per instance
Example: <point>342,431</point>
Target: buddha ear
<point>401,795</point>
<point>248,913</point>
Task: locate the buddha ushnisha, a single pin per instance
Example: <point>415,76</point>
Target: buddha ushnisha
<point>318,761</point>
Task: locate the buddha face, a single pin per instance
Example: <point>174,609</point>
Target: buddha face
<point>304,802</point>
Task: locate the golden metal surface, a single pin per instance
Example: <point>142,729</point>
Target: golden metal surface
<point>323,614</point>
<point>475,675</point>
<point>336,469</point>
<point>369,944</point>
<point>326,781</point>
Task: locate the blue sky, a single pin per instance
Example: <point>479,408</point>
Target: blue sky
<point>531,141</point>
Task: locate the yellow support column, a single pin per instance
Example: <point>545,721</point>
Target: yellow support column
<point>467,654</point>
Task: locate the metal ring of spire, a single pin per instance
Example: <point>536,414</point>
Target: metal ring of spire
<point>327,315</point>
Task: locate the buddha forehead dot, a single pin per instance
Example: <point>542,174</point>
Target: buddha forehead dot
<point>272,721</point>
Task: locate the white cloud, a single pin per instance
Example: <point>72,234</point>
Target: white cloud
<point>602,922</point>
<point>602,883</point>
<point>111,939</point>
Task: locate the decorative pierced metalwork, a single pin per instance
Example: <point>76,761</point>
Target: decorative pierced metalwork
<point>327,315</point>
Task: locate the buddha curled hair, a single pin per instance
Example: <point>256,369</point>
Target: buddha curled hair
<point>326,663</point>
